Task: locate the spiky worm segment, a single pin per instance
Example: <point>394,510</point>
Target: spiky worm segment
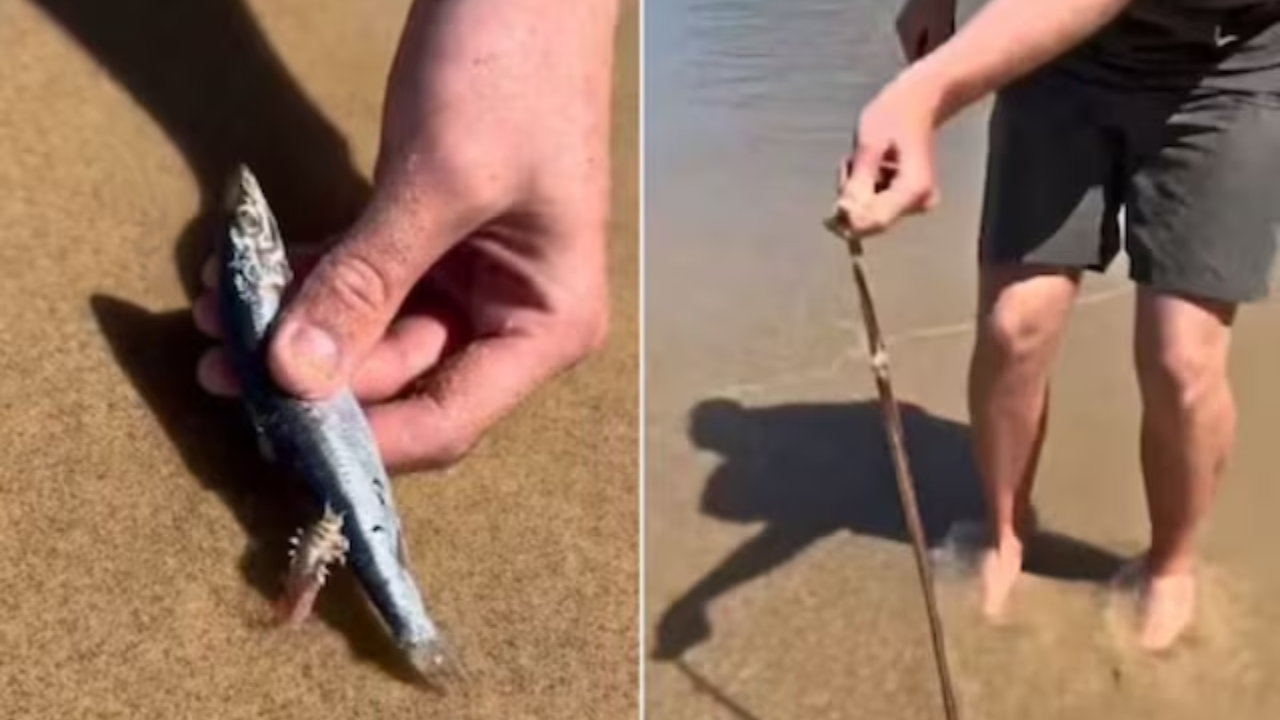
<point>314,549</point>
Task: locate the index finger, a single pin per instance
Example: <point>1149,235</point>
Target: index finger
<point>860,172</point>
<point>907,190</point>
<point>461,398</point>
<point>865,175</point>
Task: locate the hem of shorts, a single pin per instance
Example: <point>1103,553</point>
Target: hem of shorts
<point>998,260</point>
<point>1175,286</point>
<point>1196,291</point>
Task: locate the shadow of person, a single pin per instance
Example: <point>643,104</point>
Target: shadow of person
<point>808,471</point>
<point>204,71</point>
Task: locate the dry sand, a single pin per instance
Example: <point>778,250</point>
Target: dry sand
<point>142,537</point>
<point>777,566</point>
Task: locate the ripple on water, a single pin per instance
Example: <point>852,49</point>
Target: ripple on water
<point>1068,649</point>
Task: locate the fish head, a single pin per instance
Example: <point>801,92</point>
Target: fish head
<point>255,248</point>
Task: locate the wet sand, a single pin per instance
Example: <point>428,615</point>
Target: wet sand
<point>142,536</point>
<point>779,581</point>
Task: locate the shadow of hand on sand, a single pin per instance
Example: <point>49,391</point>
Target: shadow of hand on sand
<point>204,71</point>
<point>158,352</point>
<point>808,471</point>
<point>206,74</point>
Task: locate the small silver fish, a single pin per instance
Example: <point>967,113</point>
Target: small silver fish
<point>329,443</point>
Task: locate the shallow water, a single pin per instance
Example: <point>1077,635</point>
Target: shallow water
<point>777,567</point>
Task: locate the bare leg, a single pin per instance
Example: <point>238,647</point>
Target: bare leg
<point>1188,426</point>
<point>1022,312</point>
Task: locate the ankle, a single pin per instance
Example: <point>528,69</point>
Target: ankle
<point>1007,542</point>
<point>1026,523</point>
<point>1161,565</point>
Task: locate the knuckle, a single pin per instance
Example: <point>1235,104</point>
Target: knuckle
<point>917,190</point>
<point>456,174</point>
<point>451,447</point>
<point>434,440</point>
<point>359,284</point>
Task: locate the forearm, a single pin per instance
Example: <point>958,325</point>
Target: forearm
<point>481,64</point>
<point>496,130</point>
<point>1004,40</point>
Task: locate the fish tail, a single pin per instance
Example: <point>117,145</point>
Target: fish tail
<point>437,663</point>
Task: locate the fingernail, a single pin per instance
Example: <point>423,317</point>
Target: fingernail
<point>313,352</point>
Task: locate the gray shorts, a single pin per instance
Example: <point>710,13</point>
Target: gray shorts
<point>1088,157</point>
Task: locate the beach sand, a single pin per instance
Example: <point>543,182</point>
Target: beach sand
<point>142,537</point>
<point>779,579</point>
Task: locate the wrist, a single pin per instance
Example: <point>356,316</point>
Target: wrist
<point>930,88</point>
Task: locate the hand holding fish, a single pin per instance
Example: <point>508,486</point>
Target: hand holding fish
<point>477,270</point>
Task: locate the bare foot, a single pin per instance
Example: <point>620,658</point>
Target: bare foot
<point>1166,604</point>
<point>1000,568</point>
<point>1166,609</point>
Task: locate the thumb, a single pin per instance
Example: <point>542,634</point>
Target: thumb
<point>862,171</point>
<point>867,172</point>
<point>346,303</point>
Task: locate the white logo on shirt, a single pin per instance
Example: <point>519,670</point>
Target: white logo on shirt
<point>1223,40</point>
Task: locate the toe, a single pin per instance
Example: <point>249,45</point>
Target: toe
<point>1167,609</point>
<point>1000,570</point>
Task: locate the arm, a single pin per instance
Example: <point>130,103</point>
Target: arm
<point>1004,40</point>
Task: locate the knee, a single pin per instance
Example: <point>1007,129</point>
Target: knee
<point>1016,337</point>
<point>1182,374</point>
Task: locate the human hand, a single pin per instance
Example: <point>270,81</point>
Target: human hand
<point>477,271</point>
<point>890,172</point>
<point>895,134</point>
<point>924,25</point>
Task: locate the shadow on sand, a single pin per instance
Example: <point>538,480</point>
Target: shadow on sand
<point>206,74</point>
<point>158,352</point>
<point>808,471</point>
<point>204,71</point>
<point>706,687</point>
